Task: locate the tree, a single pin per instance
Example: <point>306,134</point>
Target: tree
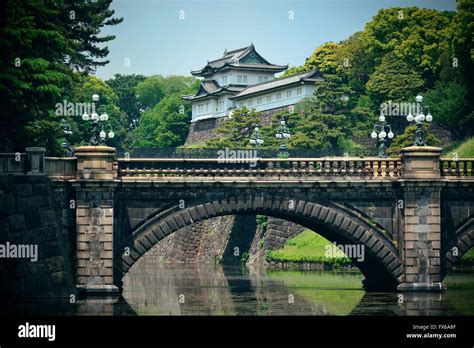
<point>166,125</point>
<point>313,127</point>
<point>154,88</point>
<point>236,131</point>
<point>108,103</point>
<point>323,59</point>
<point>447,101</point>
<point>150,91</point>
<point>394,80</point>
<point>124,87</point>
<point>41,47</point>
<point>416,36</point>
<point>83,21</point>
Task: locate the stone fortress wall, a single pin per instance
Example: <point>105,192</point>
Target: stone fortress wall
<point>34,213</point>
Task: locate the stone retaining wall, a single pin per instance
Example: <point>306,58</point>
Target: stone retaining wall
<point>203,242</point>
<point>28,217</point>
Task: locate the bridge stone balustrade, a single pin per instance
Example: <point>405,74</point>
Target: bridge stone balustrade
<point>156,168</point>
<point>414,214</point>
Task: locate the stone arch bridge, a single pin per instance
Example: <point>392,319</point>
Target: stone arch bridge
<point>413,215</point>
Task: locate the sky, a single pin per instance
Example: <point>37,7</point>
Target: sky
<point>173,37</point>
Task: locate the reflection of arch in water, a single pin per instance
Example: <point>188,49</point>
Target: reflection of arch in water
<point>381,266</point>
<point>153,288</point>
<point>327,293</point>
<point>405,304</point>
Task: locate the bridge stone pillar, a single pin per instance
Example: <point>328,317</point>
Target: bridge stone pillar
<point>422,220</point>
<point>95,188</point>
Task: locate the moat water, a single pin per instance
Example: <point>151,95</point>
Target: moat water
<point>153,288</point>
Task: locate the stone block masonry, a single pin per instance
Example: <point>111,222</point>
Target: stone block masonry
<point>95,188</point>
<point>422,220</point>
<point>94,218</point>
<point>28,217</point>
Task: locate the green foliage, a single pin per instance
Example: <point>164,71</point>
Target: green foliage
<point>463,40</point>
<point>306,247</point>
<point>150,91</point>
<point>166,125</point>
<point>42,47</point>
<point>124,87</point>
<point>46,132</point>
<point>154,88</point>
<point>236,130</point>
<point>418,37</point>
<point>401,52</point>
<point>464,150</point>
<point>394,80</point>
<point>447,101</point>
<point>322,59</point>
<point>468,258</point>
<point>262,221</point>
<point>84,88</point>
<point>244,257</point>
<point>408,139</point>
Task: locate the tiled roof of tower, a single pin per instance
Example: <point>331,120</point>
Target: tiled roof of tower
<point>236,59</point>
<point>308,76</point>
<point>211,88</point>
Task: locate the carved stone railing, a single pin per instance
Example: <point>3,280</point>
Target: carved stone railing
<point>462,167</point>
<point>406,167</point>
<point>11,163</point>
<point>389,168</point>
<point>60,167</point>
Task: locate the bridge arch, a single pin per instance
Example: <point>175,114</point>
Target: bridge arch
<point>381,266</point>
<point>461,243</point>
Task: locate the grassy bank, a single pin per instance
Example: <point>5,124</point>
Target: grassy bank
<point>460,149</point>
<point>306,247</point>
<point>311,247</point>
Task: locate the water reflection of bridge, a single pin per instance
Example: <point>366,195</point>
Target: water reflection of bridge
<point>153,288</point>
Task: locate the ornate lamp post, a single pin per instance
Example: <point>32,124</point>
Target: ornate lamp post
<point>256,139</point>
<point>66,129</point>
<point>419,118</point>
<point>283,134</point>
<point>381,131</point>
<point>98,133</point>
